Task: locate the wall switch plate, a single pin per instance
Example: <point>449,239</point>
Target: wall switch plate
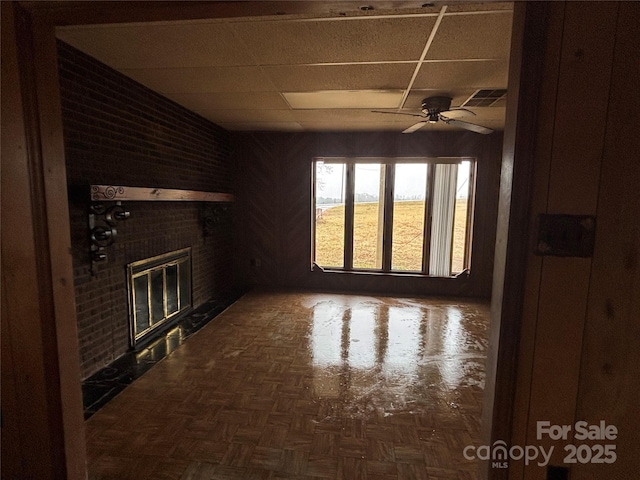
<point>566,235</point>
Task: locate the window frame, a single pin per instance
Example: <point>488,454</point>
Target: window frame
<point>389,164</point>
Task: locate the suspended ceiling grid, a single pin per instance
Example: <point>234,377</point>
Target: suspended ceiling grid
<point>300,73</point>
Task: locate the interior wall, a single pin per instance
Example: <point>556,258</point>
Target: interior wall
<point>118,132</point>
<point>275,207</point>
<point>578,357</point>
<point>42,423</point>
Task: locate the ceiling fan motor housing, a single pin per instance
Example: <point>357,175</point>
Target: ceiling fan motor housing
<point>436,105</point>
<point>433,106</point>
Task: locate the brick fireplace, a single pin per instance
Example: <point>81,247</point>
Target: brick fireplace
<point>118,132</point>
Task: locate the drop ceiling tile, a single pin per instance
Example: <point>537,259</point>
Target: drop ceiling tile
<point>230,101</point>
<point>479,7</point>
<point>361,40</point>
<point>487,114</point>
<point>212,67</point>
<point>202,79</point>
<point>322,126</point>
<point>301,78</point>
<point>263,126</point>
<point>155,45</point>
<point>342,116</point>
<point>344,99</point>
<point>415,97</point>
<point>458,75</point>
<point>485,35</point>
<point>243,116</point>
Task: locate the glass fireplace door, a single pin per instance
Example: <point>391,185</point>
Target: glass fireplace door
<point>159,290</point>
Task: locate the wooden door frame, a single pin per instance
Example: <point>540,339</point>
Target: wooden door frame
<point>513,219</point>
<point>513,244</point>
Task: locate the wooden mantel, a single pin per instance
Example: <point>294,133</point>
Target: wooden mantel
<point>105,193</point>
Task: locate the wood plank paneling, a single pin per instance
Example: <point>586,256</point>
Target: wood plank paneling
<point>610,366</point>
<point>259,210</point>
<point>296,204</point>
<point>584,72</point>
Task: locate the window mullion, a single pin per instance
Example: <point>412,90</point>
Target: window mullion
<point>348,218</point>
<point>428,217</point>
<point>314,213</point>
<point>471,199</point>
<point>389,182</point>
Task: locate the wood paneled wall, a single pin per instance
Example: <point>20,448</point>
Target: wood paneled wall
<point>274,207</point>
<point>578,357</point>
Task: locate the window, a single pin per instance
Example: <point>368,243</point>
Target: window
<point>409,215</point>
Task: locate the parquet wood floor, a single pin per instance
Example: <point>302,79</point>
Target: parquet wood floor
<point>306,386</point>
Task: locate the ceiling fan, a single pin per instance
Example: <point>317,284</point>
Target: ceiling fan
<point>432,112</point>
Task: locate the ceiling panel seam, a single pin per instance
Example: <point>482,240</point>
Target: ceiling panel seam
<point>432,35</point>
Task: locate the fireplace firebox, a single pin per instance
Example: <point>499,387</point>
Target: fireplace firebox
<point>159,293</point>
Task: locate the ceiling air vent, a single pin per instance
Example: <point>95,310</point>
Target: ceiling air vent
<point>485,98</point>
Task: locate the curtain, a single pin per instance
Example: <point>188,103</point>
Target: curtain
<point>444,200</point>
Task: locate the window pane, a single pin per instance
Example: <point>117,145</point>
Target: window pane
<point>460,218</point>
<point>157,296</point>
<point>140,287</point>
<point>368,216</point>
<point>329,215</point>
<point>408,216</point>
<point>172,289</point>
<point>185,293</point>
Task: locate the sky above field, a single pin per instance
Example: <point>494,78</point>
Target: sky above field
<point>410,180</point>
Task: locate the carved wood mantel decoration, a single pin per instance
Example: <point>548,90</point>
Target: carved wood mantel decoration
<point>101,193</point>
<point>104,215</point>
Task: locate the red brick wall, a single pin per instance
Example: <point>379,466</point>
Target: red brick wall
<point>117,132</point>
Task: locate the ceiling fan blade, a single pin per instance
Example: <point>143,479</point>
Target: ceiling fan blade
<point>459,109</point>
<point>467,126</point>
<point>399,113</point>
<point>415,127</point>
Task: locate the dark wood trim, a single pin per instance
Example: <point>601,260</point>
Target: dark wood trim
<point>387,239</point>
<point>428,219</point>
<point>314,218</point>
<point>56,212</point>
<point>36,256</point>
<point>512,245</point>
<point>88,12</point>
<point>471,205</point>
<point>349,207</point>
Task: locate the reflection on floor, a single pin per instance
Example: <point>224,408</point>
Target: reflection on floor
<point>108,382</point>
<point>306,386</point>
